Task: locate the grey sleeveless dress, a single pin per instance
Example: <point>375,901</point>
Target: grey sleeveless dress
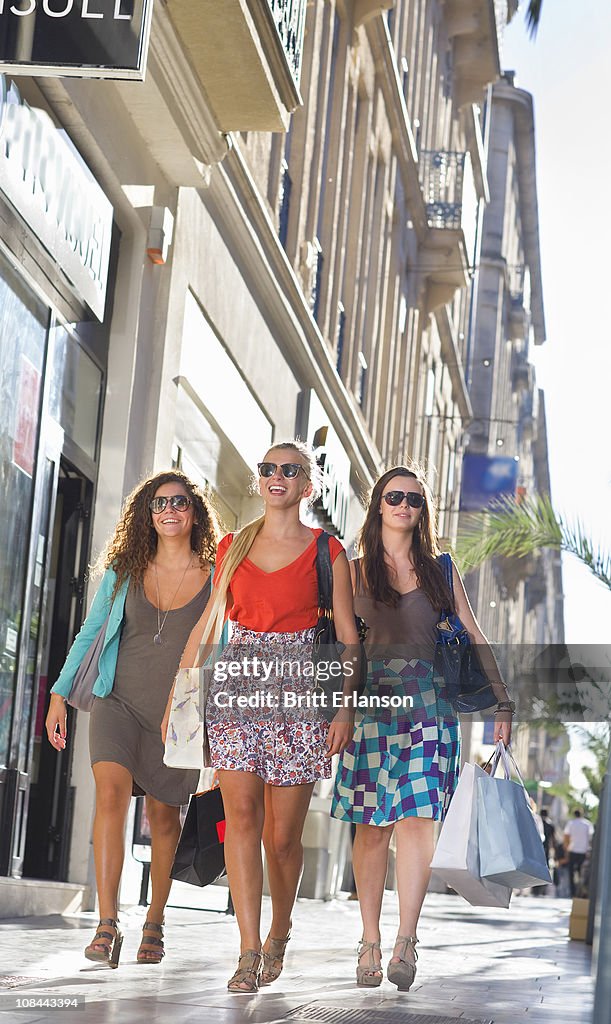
<point>124,727</point>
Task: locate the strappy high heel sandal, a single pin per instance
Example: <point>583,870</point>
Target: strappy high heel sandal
<point>403,972</point>
<point>368,975</point>
<point>145,954</point>
<point>247,977</point>
<point>273,960</point>
<point>106,947</point>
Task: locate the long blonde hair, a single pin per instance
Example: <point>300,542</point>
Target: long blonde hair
<point>244,539</point>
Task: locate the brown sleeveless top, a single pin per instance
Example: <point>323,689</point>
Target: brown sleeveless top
<point>409,630</point>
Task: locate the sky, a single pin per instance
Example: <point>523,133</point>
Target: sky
<point>566,68</point>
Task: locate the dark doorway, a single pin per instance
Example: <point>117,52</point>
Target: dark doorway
<point>50,809</point>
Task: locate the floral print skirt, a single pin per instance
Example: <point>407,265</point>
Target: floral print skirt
<point>257,714</point>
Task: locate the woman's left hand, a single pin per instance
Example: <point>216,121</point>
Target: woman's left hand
<point>502,727</point>
<point>340,732</point>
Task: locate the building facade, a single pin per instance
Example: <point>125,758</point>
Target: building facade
<point>519,600</point>
<point>294,206</point>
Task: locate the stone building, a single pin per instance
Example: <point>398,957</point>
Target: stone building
<point>287,226</point>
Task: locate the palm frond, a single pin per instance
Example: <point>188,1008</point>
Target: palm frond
<point>516,529</point>
<point>533,16</point>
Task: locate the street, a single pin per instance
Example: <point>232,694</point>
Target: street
<point>475,965</point>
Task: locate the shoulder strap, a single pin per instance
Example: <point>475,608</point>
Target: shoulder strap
<point>358,577</point>
<point>445,561</point>
<point>324,572</point>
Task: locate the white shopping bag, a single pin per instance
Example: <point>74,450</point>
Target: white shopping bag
<point>456,858</point>
<point>184,743</point>
<point>511,849</point>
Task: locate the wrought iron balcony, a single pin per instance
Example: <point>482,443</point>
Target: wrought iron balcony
<point>441,177</point>
<point>289,19</point>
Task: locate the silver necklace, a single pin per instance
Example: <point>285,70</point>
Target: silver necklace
<point>161,622</point>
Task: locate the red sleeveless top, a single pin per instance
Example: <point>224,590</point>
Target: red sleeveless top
<point>283,601</point>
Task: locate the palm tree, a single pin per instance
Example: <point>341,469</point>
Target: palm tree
<point>533,16</point>
<point>514,529</point>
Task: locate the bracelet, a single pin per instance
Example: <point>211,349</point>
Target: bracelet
<point>505,706</point>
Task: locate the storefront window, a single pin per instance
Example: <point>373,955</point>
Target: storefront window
<point>76,385</point>
<point>23,332</point>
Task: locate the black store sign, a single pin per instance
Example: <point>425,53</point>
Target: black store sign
<point>75,38</point>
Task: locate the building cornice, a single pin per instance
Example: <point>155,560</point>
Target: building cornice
<point>396,111</point>
<point>524,135</point>
<point>234,198</point>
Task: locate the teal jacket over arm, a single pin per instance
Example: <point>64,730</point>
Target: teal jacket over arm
<point>98,614</point>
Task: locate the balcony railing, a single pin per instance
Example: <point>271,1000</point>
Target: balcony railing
<point>289,18</point>
<point>441,177</point>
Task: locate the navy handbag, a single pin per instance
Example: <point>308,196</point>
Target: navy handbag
<point>456,660</point>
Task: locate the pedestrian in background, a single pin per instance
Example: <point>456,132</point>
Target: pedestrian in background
<point>401,768</point>
<point>269,759</point>
<point>577,838</point>
<point>155,586</point>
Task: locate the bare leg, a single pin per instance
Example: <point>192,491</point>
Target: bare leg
<point>370,864</point>
<point>414,854</point>
<point>113,790</point>
<point>285,811</point>
<point>165,831</point>
<point>244,812</point>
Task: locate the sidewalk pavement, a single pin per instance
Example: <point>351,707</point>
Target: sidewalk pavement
<point>475,965</point>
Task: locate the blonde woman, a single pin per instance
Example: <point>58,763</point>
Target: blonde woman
<point>269,758</point>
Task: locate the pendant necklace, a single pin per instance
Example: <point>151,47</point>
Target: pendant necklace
<point>161,622</point>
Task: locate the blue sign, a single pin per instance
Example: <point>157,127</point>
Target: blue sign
<point>486,478</point>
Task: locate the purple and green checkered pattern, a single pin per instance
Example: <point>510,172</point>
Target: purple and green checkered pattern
<point>401,763</point>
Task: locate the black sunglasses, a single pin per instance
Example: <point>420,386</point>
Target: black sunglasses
<point>179,502</point>
<point>413,498</point>
<point>288,469</point>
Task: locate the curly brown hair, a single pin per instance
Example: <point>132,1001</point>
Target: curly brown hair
<point>425,547</point>
<point>134,543</point>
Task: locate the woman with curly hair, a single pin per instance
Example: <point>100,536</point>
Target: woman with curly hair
<point>155,587</point>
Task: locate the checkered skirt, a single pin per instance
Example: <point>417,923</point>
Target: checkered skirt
<point>402,762</point>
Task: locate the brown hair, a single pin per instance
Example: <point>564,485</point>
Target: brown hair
<point>425,547</point>
<point>134,543</point>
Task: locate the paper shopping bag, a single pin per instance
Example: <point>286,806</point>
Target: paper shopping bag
<point>185,738</point>
<point>511,849</point>
<point>456,860</point>
<point>200,854</point>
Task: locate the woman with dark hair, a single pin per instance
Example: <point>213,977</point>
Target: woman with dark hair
<point>401,769</point>
<point>155,586</point>
<point>269,757</point>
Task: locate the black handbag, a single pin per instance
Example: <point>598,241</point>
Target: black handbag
<point>326,647</point>
<point>200,854</point>
<point>456,660</point>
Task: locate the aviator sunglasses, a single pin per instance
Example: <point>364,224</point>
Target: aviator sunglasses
<point>414,499</point>
<point>179,502</point>
<point>288,469</point>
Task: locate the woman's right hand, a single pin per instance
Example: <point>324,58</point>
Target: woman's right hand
<point>55,722</point>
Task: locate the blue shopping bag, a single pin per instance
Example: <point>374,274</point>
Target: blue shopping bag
<point>510,847</point>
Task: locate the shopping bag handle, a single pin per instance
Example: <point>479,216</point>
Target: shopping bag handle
<point>504,755</point>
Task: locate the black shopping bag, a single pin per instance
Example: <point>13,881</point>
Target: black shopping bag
<point>200,854</point>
